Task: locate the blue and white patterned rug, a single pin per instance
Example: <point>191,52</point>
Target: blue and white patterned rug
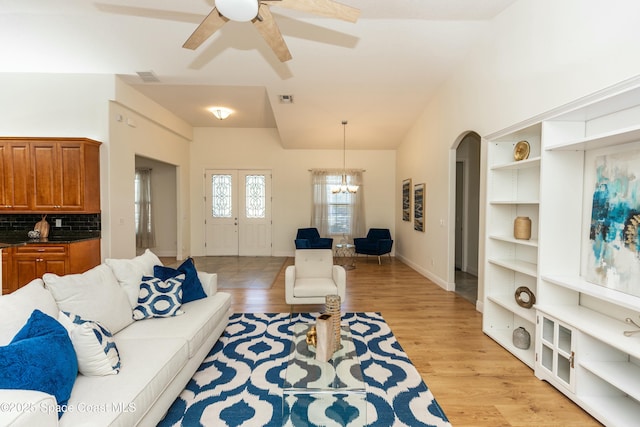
<point>239,384</point>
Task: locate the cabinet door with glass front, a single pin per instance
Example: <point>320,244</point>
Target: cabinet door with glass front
<point>555,352</point>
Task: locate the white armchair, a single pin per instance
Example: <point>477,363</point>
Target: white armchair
<point>313,277</point>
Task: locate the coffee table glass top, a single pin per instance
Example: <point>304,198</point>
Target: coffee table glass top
<point>305,374</point>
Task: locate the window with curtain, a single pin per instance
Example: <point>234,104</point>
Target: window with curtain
<point>340,214</point>
<point>145,234</point>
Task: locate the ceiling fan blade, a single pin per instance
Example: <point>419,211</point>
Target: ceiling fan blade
<point>212,23</point>
<point>328,8</point>
<point>269,31</point>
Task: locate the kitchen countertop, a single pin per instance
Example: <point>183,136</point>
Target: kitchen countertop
<point>19,238</point>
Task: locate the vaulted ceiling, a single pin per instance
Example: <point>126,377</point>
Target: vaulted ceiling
<point>377,73</point>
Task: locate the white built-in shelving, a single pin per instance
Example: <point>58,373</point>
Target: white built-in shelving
<point>577,327</point>
<point>513,191</point>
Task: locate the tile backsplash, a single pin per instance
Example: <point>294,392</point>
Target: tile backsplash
<point>69,222</point>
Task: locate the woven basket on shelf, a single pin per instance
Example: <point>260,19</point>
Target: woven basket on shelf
<point>522,228</point>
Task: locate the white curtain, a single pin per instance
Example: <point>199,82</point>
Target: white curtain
<point>145,233</point>
<point>325,216</point>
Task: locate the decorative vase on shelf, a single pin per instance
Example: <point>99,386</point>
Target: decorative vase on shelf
<point>522,228</point>
<point>521,338</point>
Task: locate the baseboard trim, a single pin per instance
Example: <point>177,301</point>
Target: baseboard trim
<point>429,275</point>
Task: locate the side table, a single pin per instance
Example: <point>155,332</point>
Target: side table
<point>346,251</point>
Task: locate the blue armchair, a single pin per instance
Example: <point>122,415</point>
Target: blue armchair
<point>309,238</point>
<point>378,242</point>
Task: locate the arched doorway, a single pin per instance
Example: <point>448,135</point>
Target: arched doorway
<point>466,215</point>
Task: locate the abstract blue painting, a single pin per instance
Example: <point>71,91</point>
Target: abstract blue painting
<point>614,252</point>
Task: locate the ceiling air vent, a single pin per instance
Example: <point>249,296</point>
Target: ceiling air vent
<point>148,76</point>
<point>286,99</point>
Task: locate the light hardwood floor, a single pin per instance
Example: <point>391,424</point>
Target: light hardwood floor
<point>476,381</point>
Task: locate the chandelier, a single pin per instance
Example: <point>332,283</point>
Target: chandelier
<point>343,187</point>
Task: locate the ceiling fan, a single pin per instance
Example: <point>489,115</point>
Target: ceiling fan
<point>257,11</point>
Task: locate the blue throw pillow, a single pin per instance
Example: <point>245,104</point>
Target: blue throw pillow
<point>159,298</point>
<point>40,357</point>
<point>191,287</point>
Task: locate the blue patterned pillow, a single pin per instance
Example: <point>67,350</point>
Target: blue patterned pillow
<point>94,344</point>
<point>159,298</point>
<point>40,357</point>
<point>192,287</point>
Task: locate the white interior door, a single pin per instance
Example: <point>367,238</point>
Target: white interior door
<point>238,218</point>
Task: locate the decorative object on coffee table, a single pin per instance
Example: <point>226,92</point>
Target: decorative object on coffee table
<point>312,336</point>
<point>521,338</point>
<point>522,228</point>
<point>332,307</point>
<point>325,337</point>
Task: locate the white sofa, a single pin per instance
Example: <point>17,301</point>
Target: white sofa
<point>158,356</point>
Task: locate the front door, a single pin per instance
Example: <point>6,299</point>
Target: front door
<point>238,219</point>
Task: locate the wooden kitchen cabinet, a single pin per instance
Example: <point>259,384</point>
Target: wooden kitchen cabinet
<point>8,285</point>
<point>49,175</point>
<point>15,175</point>
<point>83,255</point>
<point>66,175</point>
<point>32,261</point>
<point>22,264</point>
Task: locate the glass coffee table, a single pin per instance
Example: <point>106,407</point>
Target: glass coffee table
<point>317,393</point>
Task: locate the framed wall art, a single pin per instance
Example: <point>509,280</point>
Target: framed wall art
<point>613,258</point>
<point>418,207</point>
<point>406,200</point>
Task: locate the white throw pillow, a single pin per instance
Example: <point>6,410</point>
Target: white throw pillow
<point>16,308</point>
<point>94,345</point>
<point>159,298</point>
<point>92,295</point>
<point>129,272</point>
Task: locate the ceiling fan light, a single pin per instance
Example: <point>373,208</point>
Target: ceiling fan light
<point>238,10</point>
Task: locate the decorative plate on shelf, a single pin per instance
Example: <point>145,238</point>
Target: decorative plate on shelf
<point>521,151</point>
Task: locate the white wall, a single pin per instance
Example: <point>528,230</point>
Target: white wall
<point>148,139</point>
<point>224,148</point>
<point>72,105</point>
<point>539,55</point>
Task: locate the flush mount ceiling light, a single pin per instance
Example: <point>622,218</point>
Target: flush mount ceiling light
<point>220,113</point>
<point>343,187</point>
<point>238,10</point>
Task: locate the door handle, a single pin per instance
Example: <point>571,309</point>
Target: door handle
<point>572,359</point>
